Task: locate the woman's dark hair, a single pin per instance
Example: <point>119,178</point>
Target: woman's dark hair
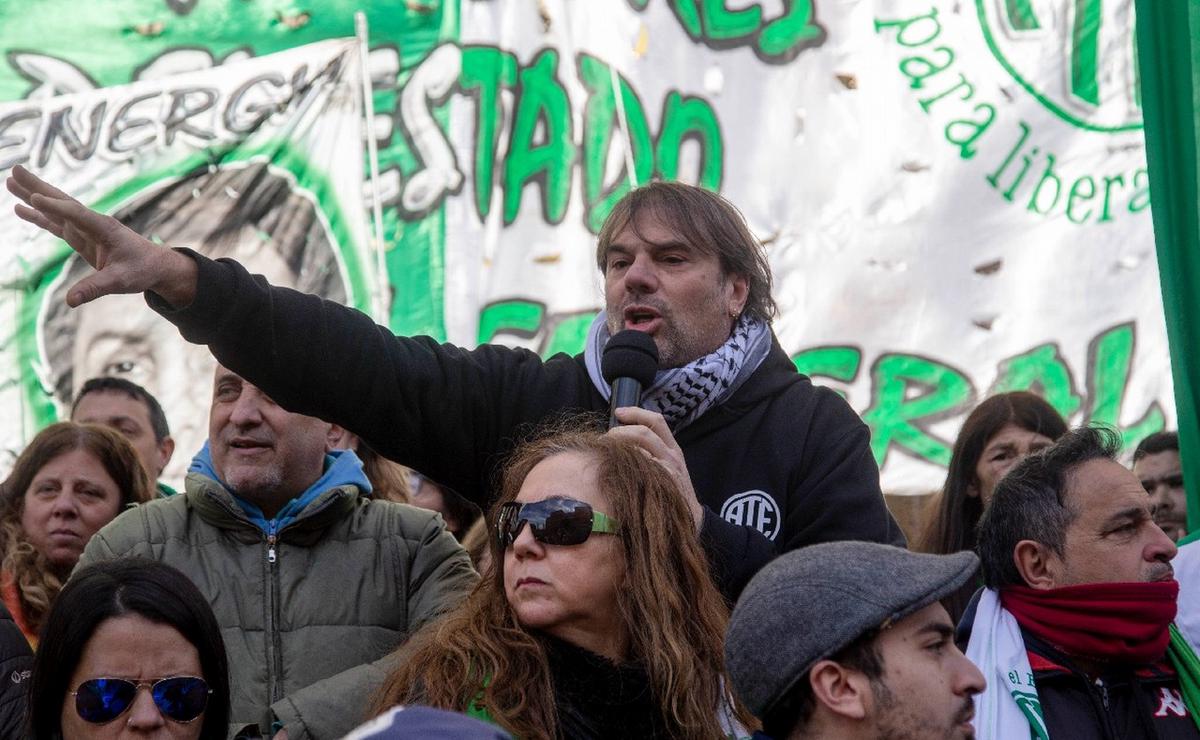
<point>116,588</point>
<point>952,526</point>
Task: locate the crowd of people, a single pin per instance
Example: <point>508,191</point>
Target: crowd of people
<point>387,537</point>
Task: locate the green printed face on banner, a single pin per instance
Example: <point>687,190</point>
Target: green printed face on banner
<point>248,162</point>
<point>1077,57</point>
<point>120,336</point>
<point>94,45</point>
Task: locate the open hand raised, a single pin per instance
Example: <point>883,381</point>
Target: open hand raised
<point>125,261</point>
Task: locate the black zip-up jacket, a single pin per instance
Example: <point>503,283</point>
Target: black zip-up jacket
<point>16,662</point>
<point>1141,702</point>
<point>780,457</point>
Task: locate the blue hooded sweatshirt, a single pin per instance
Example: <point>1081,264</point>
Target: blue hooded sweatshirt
<point>342,467</point>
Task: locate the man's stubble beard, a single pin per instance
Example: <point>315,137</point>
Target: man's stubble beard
<point>893,723</point>
<point>676,346</point>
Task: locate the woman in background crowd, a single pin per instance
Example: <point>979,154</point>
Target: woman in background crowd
<point>389,480</point>
<point>459,513</point>
<point>130,647</point>
<point>600,617</point>
<point>70,481</point>
<point>478,544</point>
<point>1001,431</point>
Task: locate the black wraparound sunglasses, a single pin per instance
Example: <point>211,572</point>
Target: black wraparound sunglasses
<point>554,521</point>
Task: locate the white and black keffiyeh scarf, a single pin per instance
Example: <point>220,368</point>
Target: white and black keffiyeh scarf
<point>683,394</point>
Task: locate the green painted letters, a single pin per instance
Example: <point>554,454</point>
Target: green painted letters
<point>600,120</point>
<point>1110,356</point>
<point>896,417</point>
<point>1041,369</point>
<point>690,118</point>
<point>543,101</point>
<point>485,70</point>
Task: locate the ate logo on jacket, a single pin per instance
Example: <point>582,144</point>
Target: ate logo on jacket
<point>753,509</point>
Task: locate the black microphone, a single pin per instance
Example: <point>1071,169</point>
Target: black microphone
<point>628,364</point>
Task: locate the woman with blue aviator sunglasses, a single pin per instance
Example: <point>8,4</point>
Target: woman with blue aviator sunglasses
<point>130,649</point>
<point>599,617</point>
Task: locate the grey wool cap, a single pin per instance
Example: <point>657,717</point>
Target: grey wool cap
<point>810,603</point>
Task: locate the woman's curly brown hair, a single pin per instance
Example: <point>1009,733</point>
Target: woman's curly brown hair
<point>37,580</point>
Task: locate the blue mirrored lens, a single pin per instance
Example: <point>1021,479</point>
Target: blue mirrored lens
<point>103,699</point>
<point>182,698</point>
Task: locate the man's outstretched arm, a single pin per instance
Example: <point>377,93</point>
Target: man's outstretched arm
<point>440,409</point>
<point>125,261</point>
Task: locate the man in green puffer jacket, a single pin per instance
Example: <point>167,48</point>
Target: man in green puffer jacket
<point>312,582</point>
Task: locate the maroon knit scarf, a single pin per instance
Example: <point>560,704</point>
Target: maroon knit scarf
<point>1113,622</point>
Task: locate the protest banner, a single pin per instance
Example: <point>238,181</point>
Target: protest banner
<point>261,161</point>
<point>953,193</point>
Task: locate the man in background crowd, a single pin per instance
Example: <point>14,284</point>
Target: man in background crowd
<point>1157,465</point>
<point>131,410</point>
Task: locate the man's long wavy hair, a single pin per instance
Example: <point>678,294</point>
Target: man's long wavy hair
<point>672,612</point>
<point>37,580</point>
<point>706,221</point>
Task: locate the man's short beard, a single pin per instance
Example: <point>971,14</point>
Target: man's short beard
<point>262,485</point>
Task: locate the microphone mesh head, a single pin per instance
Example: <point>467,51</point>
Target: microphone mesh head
<point>630,354</point>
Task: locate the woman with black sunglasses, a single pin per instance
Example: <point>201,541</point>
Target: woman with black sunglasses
<point>130,647</point>
<point>599,618</point>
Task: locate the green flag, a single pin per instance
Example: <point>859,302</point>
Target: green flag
<point>1168,41</point>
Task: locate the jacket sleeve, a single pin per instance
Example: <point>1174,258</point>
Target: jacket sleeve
<point>440,574</point>
<point>440,409</point>
<point>16,661</point>
<point>837,496</point>
<point>332,707</point>
<point>735,553</point>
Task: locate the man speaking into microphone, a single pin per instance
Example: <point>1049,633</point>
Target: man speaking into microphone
<point>769,461</point>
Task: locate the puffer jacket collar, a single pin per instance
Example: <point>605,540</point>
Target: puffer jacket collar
<point>215,504</point>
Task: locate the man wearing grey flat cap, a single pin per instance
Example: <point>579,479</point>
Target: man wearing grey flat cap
<point>849,640</point>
